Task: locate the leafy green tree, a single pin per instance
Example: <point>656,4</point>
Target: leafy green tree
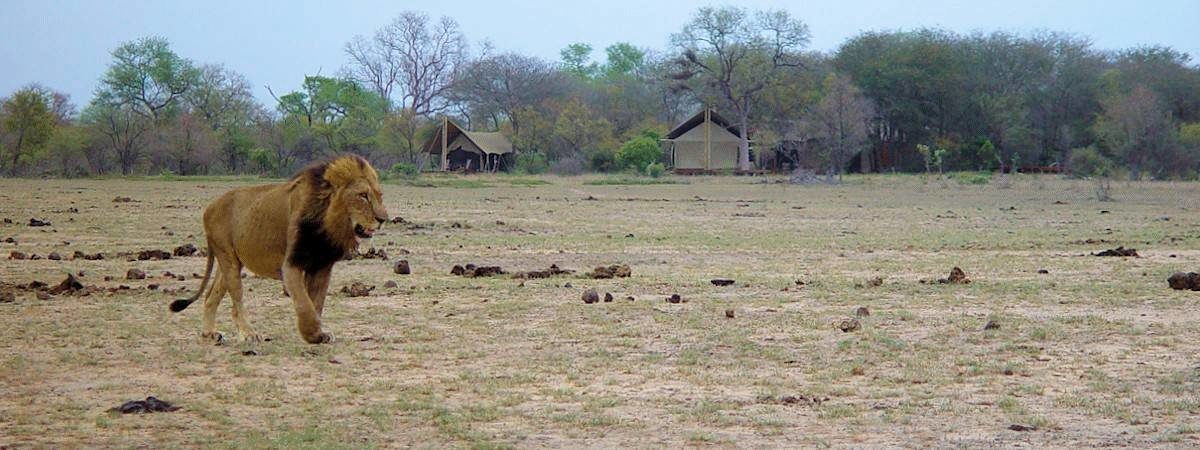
<point>623,59</point>
<point>27,119</point>
<point>637,153</point>
<point>343,115</point>
<point>1137,129</point>
<point>148,77</point>
<point>576,60</point>
<point>578,131</point>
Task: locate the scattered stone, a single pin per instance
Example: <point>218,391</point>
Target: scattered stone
<point>69,285</point>
<point>401,267</point>
<point>81,255</point>
<point>390,285</point>
<point>399,219</point>
<point>43,295</point>
<point>17,255</point>
<point>729,313</point>
<point>847,325</point>
<point>1119,251</point>
<point>674,298</point>
<point>122,200</point>
<point>590,296</point>
<point>149,405</point>
<point>146,255</point>
<point>608,297</point>
<point>1019,427</point>
<point>612,271</point>
<point>862,311</point>
<point>875,282</point>
<point>630,298</point>
<point>8,221</point>
<point>721,281</point>
<point>8,297</point>
<point>39,223</point>
<point>10,240</point>
<point>858,371</point>
<point>54,256</point>
<point>457,270</point>
<point>373,253</point>
<point>991,325</point>
<point>135,274</point>
<point>549,272</point>
<point>957,276</point>
<point>1184,281</point>
<point>1043,271</point>
<point>357,289</point>
<point>154,287</point>
<point>250,353</point>
<point>185,250</point>
<point>567,285</point>
<point>34,257</point>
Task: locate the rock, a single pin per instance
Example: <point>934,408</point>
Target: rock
<point>8,221</point>
<point>721,281</point>
<point>458,270</point>
<point>551,271</point>
<point>1043,271</point>
<point>590,296</point>
<point>373,253</point>
<point>399,219</point>
<point>43,295</point>
<point>847,325</point>
<point>154,287</point>
<point>17,255</point>
<point>185,250</point>
<point>1119,251</point>
<point>567,285</point>
<point>991,325</point>
<point>135,274</point>
<point>875,282</point>
<point>357,289</point>
<point>390,285</point>
<point>611,271</point>
<point>39,223</point>
<point>1019,427</point>
<point>149,405</point>
<point>10,240</point>
<point>1184,281</point>
<point>7,297</point>
<point>630,298</point>
<point>54,256</point>
<point>674,298</point>
<point>862,311</point>
<point>729,313</point>
<point>957,276</point>
<point>401,267</point>
<point>146,255</point>
<point>34,257</point>
<point>122,200</point>
<point>69,285</point>
<point>608,297</point>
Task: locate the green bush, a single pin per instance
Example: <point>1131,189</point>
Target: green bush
<point>637,153</point>
<point>603,161</point>
<point>976,178</point>
<point>405,170</point>
<point>1088,162</point>
<point>532,163</point>
<point>655,170</point>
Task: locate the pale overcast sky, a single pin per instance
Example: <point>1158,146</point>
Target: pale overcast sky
<point>66,44</point>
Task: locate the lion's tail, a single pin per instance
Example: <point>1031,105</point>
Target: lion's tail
<point>181,304</point>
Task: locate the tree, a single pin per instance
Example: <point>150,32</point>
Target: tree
<point>147,77</point>
<point>734,57</point>
<point>637,153</point>
<point>839,122</point>
<point>191,145</point>
<point>411,63</point>
<point>222,99</point>
<point>576,60</point>
<point>579,131</point>
<point>1137,129</point>
<point>122,130</point>
<point>623,59</point>
<point>29,122</point>
<point>504,84</point>
<point>342,114</point>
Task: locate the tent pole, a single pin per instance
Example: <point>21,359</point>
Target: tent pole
<point>445,123</point>
<point>707,139</point>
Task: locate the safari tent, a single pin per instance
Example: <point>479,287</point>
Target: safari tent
<point>459,149</point>
<point>704,142</point>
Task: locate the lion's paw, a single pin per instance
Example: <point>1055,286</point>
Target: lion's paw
<point>213,336</point>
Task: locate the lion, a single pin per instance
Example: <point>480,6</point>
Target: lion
<point>294,232</point>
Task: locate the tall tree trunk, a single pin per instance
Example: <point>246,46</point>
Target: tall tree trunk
<point>744,142</point>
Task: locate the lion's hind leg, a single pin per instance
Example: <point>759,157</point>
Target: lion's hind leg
<point>209,328</point>
<point>232,273</point>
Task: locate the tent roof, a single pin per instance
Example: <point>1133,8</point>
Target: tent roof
<point>489,142</point>
<point>698,119</point>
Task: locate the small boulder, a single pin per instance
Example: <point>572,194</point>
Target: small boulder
<point>357,289</point>
<point>608,297</point>
<point>54,256</point>
<point>721,281</point>
<point>185,250</point>
<point>674,298</point>
<point>401,267</point>
<point>729,313</point>
<point>146,255</point>
<point>991,325</point>
<point>135,274</point>
<point>7,297</point>
<point>39,223</point>
<point>17,255</point>
<point>848,325</point>
<point>1184,281</point>
<point>1119,252</point>
<point>71,284</point>
<point>862,311</point>
<point>957,276</point>
<point>390,285</point>
<point>590,296</point>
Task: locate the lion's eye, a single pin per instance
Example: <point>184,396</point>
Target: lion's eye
<point>363,196</point>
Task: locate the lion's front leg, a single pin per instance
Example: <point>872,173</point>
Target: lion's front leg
<point>308,321</point>
<point>318,286</point>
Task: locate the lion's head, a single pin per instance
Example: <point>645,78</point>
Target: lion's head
<point>347,199</point>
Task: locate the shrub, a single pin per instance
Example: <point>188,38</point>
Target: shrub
<point>603,161</point>
<point>655,170</point>
<point>532,163</point>
<point>976,178</point>
<point>637,153</point>
<point>405,170</point>
<point>570,165</point>
<point>1088,162</point>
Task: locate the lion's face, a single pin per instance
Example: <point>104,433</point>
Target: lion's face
<point>364,206</point>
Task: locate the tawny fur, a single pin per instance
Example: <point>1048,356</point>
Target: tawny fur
<point>294,232</point>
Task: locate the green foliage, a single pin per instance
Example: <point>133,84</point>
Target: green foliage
<point>26,116</point>
<point>603,161</point>
<point>656,170</point>
<point>264,160</point>
<point>532,163</point>
<point>406,170</point>
<point>1087,162</point>
<point>149,77</point>
<point>623,60</point>
<point>576,60</point>
<point>637,153</point>
<point>973,178</point>
<point>624,180</point>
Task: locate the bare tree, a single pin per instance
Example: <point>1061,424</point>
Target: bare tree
<point>507,83</point>
<point>412,61</point>
<point>839,123</point>
<point>734,57</point>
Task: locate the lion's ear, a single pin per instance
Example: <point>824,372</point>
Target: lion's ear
<point>343,171</point>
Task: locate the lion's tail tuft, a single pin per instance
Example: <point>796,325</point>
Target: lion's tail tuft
<point>182,304</point>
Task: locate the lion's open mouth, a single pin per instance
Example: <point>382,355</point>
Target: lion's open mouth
<point>363,232</point>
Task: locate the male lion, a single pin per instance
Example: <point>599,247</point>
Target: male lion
<point>294,231</point>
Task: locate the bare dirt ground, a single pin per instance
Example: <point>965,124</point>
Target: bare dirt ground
<point>1096,352</point>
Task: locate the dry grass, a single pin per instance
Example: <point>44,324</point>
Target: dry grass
<point>1097,352</point>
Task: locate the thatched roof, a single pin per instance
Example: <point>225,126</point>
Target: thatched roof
<point>698,119</point>
<point>488,142</point>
